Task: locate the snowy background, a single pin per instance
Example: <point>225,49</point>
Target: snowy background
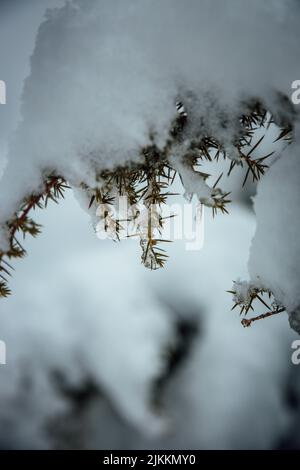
<point>102,353</point>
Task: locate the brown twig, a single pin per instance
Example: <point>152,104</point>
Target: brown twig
<point>246,322</point>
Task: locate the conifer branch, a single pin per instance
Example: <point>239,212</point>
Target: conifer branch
<point>244,295</point>
<point>54,187</point>
<point>149,182</point>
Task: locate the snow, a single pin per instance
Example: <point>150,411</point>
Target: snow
<point>242,291</point>
<point>275,250</point>
<point>92,311</point>
<point>104,74</point>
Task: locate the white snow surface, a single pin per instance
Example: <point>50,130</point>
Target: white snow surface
<point>103,74</point>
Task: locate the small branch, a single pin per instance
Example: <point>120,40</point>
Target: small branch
<point>34,200</point>
<point>53,189</point>
<point>246,322</point>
